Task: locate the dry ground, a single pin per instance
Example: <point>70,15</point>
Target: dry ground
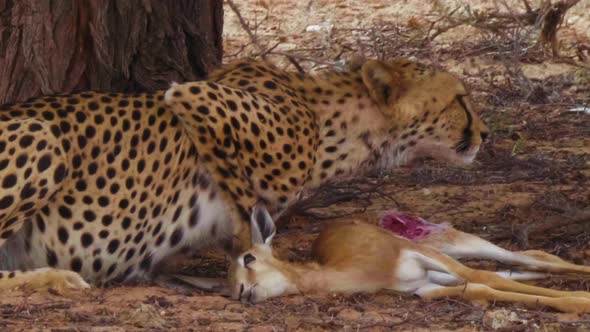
<point>523,192</point>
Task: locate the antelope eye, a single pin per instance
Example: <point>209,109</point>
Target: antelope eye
<point>248,258</point>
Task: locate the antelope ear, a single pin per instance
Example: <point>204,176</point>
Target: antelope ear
<point>382,80</point>
<point>262,227</point>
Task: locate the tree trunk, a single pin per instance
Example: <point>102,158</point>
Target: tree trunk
<point>60,46</point>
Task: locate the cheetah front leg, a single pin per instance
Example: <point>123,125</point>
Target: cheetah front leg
<point>219,152</point>
<point>33,166</point>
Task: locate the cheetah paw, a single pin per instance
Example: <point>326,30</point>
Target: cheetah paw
<point>48,278</point>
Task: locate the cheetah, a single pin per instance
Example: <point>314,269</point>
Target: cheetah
<point>99,188</point>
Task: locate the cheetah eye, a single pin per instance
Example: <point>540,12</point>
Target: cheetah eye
<point>248,258</point>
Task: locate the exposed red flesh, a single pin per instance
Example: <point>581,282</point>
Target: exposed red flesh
<point>410,226</point>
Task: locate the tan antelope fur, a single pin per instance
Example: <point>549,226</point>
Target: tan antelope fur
<point>446,239</point>
<point>354,256</point>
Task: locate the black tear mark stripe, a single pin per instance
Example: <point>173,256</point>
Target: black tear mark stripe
<point>465,143</point>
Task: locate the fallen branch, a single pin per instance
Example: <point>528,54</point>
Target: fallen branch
<point>552,21</point>
<point>548,16</point>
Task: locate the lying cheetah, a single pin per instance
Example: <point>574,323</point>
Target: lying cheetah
<point>99,188</point>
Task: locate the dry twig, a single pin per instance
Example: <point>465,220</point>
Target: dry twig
<point>246,28</point>
<point>548,16</point>
<point>363,191</point>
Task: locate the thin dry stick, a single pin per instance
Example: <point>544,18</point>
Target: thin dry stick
<point>354,190</point>
<point>296,64</point>
<point>246,28</point>
<point>429,38</point>
<point>270,49</point>
<point>492,21</point>
<point>304,58</point>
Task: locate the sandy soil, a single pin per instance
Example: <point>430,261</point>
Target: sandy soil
<point>521,192</point>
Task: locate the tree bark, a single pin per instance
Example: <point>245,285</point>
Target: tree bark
<point>60,46</point>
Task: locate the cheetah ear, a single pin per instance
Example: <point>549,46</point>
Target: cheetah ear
<point>262,227</point>
<point>382,81</point>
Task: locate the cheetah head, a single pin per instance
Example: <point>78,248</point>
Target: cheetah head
<point>427,110</point>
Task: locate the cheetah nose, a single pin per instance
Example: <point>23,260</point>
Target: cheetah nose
<point>484,136</point>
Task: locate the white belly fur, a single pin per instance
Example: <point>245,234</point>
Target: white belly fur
<point>410,273</point>
<point>213,214</point>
